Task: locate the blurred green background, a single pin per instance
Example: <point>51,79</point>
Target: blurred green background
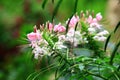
<point>17,18</point>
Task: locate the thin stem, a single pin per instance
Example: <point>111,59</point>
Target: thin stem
<point>116,77</point>
<point>56,9</point>
<point>96,75</point>
<point>114,53</point>
<point>63,58</point>
<point>75,8</point>
<point>41,70</point>
<point>99,68</point>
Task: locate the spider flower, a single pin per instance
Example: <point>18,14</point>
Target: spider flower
<point>34,36</point>
<point>59,28</point>
<point>73,21</point>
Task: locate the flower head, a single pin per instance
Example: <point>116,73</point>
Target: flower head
<point>98,16</point>
<point>34,36</point>
<point>59,28</point>
<point>73,21</point>
<point>50,26</point>
<point>89,20</point>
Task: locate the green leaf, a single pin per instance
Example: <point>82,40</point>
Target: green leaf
<point>114,52</point>
<point>44,3</point>
<point>107,41</point>
<point>89,77</point>
<point>81,66</point>
<point>75,8</point>
<point>48,39</point>
<point>54,38</point>
<point>117,27</point>
<point>82,52</point>
<point>76,26</point>
<point>56,9</point>
<point>84,27</point>
<point>67,26</point>
<point>56,73</point>
<point>118,68</point>
<point>52,1</point>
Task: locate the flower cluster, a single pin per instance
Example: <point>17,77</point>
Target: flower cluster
<point>38,44</point>
<point>77,32</point>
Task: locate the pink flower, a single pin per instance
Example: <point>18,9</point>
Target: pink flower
<point>94,20</point>
<point>34,36</point>
<point>89,20</point>
<point>98,16</point>
<point>71,32</point>
<point>50,26</point>
<point>59,28</point>
<point>73,21</point>
<point>33,44</point>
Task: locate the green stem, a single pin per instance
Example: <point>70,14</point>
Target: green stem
<point>96,75</point>
<point>114,52</point>
<point>116,77</point>
<point>75,8</point>
<point>63,58</point>
<point>56,9</point>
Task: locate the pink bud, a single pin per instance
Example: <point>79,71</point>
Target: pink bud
<point>73,21</point>
<point>59,28</point>
<point>94,20</point>
<point>89,20</point>
<point>33,36</point>
<point>35,29</point>
<point>50,26</point>
<point>98,16</point>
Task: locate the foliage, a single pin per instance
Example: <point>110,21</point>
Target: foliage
<point>87,56</point>
<point>77,60</point>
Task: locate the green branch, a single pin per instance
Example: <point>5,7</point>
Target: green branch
<point>96,75</point>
